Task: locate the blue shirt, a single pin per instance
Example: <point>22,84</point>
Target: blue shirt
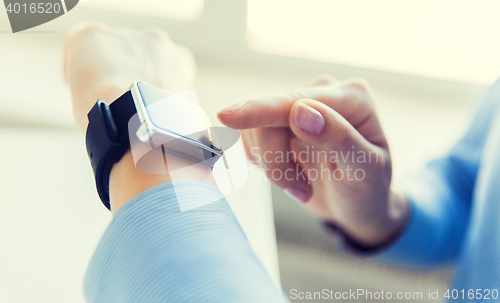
<point>152,252</point>
<point>456,206</point>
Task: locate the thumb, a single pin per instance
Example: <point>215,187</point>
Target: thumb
<point>319,125</point>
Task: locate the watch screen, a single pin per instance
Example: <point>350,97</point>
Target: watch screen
<point>178,114</point>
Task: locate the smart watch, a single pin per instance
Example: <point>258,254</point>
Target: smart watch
<point>150,116</point>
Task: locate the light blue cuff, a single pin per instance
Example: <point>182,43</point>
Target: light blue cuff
<point>413,247</point>
<point>153,252</point>
<point>431,237</point>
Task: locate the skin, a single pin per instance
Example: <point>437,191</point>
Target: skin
<point>101,62</point>
<point>346,119</point>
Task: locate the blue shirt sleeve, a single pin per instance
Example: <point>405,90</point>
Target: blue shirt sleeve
<point>441,196</point>
<point>153,252</point>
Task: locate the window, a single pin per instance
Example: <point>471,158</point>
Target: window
<point>441,39</point>
<point>185,10</point>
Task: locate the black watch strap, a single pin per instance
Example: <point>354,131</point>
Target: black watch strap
<point>107,139</point>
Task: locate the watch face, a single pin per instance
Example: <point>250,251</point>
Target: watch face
<point>174,114</point>
<point>168,125</point>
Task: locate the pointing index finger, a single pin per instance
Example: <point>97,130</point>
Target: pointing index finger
<point>270,111</point>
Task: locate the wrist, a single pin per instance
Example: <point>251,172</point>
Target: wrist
<point>397,217</point>
<point>126,182</point>
<point>385,226</point>
<point>85,95</point>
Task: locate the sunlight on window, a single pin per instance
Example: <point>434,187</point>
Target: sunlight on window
<point>443,39</point>
<point>185,10</point>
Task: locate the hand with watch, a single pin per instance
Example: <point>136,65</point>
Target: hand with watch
<point>153,123</point>
<point>154,250</point>
<point>95,71</point>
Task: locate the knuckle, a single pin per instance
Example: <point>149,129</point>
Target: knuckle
<point>296,94</point>
<point>83,31</point>
<point>366,106</point>
<point>325,79</point>
<point>358,84</point>
<point>362,91</point>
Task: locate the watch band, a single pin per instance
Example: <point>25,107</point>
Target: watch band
<point>107,139</point>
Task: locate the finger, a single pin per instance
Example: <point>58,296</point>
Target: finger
<point>273,145</point>
<point>303,155</point>
<point>317,124</point>
<point>352,99</point>
<point>248,144</point>
<point>308,155</point>
<point>316,170</point>
<point>270,111</point>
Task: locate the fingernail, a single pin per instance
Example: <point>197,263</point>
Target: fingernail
<point>232,109</point>
<point>296,194</point>
<point>309,119</point>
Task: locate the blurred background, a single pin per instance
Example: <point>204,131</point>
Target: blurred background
<point>426,61</point>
